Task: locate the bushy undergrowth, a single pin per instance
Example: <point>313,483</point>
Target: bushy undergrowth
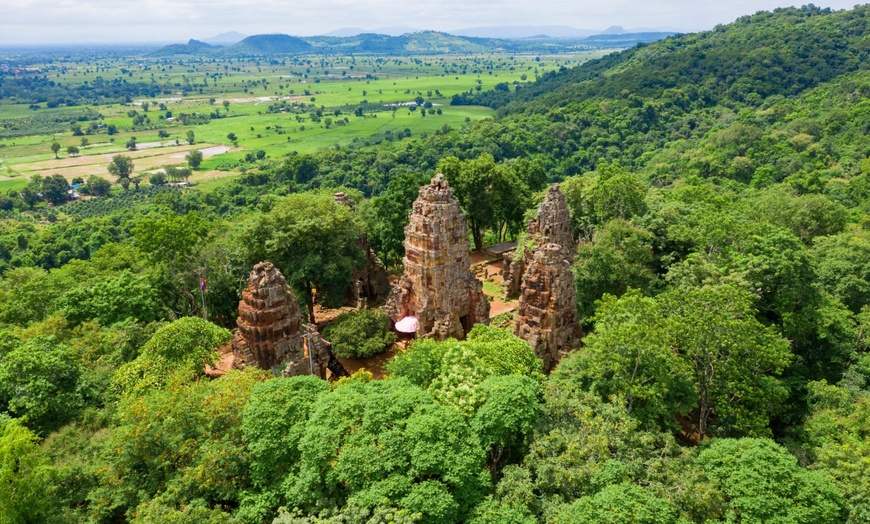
<point>360,334</point>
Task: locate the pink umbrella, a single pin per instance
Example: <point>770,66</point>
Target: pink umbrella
<point>407,325</point>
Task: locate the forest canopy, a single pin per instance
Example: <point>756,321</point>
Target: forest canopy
<point>718,186</point>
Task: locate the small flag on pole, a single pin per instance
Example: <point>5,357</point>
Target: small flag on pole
<point>202,285</point>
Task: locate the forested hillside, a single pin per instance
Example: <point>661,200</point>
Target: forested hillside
<point>416,43</point>
<point>719,191</point>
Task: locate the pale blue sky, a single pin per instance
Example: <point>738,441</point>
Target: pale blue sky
<point>95,21</point>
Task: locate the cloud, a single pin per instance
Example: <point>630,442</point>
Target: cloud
<point>70,21</point>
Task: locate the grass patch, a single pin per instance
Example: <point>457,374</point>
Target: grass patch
<point>492,289</point>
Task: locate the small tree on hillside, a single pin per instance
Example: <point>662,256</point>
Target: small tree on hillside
<point>55,147</point>
<point>194,159</point>
<point>121,168</point>
<point>157,179</point>
<point>97,186</point>
<point>54,189</point>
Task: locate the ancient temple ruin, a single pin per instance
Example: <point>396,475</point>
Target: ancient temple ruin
<point>547,310</point>
<point>438,287</point>
<point>371,282</point>
<point>540,272</point>
<point>552,225</point>
<point>271,334</point>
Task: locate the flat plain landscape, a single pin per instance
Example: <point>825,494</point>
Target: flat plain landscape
<point>236,107</point>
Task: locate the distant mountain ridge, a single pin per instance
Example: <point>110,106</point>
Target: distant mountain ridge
<point>525,31</point>
<point>420,42</point>
<point>509,32</point>
<point>230,38</point>
<point>272,44</point>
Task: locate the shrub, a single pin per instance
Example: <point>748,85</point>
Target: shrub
<point>360,334</point>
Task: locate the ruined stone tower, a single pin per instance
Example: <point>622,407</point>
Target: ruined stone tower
<point>438,286</point>
<point>541,273</point>
<point>552,225</point>
<point>270,329</point>
<point>371,283</point>
<point>547,311</point>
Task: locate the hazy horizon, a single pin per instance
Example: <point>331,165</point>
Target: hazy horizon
<point>53,22</point>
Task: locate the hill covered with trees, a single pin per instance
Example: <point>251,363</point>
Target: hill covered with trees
<point>417,43</point>
<point>719,189</point>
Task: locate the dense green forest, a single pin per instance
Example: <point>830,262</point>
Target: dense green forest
<point>719,187</point>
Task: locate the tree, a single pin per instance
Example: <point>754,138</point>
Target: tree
<point>618,193</point>
<point>491,195</point>
<point>619,257</point>
<point>505,420</point>
<point>172,241</point>
<point>194,159</point>
<point>360,334</point>
<point>54,189</point>
<point>807,216</point>
<point>158,178</point>
<point>39,380</point>
<point>715,330</point>
<point>843,266</point>
<point>836,433</point>
<point>177,351</point>
<point>388,444</point>
<point>273,423</point>
<point>118,298</point>
<point>55,147</point>
<point>629,359</point>
<point>619,504</point>
<point>578,191</point>
<point>390,210</point>
<point>97,186</point>
<point>131,143</point>
<point>121,168</point>
<point>28,482</point>
<point>27,294</point>
<point>300,168</point>
<point>72,150</point>
<point>453,372</point>
<point>29,195</point>
<point>580,445</point>
<point>177,173</point>
<point>763,482</point>
<point>111,129</point>
<point>85,142</point>
<point>191,137</point>
<point>312,240</point>
<point>174,452</point>
<point>226,104</point>
<point>232,137</point>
